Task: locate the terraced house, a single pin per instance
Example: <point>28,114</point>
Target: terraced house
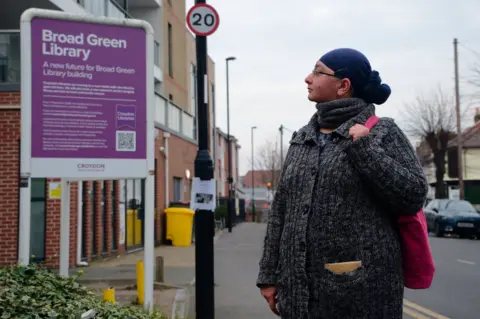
<point>106,217</point>
<point>471,164</point>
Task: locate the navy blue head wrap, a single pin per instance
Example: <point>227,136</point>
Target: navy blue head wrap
<point>352,64</point>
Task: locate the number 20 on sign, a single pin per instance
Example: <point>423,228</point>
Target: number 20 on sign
<point>203,19</point>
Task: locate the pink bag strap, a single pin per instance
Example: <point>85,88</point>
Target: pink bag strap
<point>372,121</point>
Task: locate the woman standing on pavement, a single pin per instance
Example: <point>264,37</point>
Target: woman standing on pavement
<point>332,248</point>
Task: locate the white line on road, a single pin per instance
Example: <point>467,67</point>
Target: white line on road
<point>465,262</point>
<point>421,311</point>
<point>414,314</point>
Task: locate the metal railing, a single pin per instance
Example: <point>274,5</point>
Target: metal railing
<point>116,11</point>
<point>169,115</point>
<point>10,57</point>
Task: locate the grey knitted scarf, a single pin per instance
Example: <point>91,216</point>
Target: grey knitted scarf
<point>332,114</point>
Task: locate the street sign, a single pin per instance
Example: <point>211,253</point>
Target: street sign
<point>88,105</point>
<point>203,19</point>
<point>87,114</point>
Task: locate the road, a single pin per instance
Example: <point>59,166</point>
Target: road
<point>455,293</point>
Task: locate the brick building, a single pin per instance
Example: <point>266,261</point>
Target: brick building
<point>221,165</point>
<point>105,216</point>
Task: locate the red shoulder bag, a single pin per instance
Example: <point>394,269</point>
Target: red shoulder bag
<point>418,264</point>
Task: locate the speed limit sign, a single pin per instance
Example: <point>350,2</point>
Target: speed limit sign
<point>203,19</point>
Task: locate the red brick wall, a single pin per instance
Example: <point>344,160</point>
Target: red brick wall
<point>9,98</point>
<point>225,160</point>
<point>181,157</point>
<point>9,161</point>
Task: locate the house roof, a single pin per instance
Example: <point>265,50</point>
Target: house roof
<point>470,137</point>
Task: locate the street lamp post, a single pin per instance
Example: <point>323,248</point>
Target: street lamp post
<point>229,145</point>
<point>253,178</point>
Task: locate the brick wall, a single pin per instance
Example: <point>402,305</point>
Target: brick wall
<point>9,161</point>
<point>181,157</point>
<point>9,98</point>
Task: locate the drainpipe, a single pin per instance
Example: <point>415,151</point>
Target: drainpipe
<point>166,135</point>
<point>80,224</point>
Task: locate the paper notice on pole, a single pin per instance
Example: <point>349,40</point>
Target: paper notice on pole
<point>203,194</point>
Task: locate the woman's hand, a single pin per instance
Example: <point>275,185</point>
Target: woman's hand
<point>358,131</point>
<point>270,294</point>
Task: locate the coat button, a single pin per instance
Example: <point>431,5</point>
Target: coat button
<point>303,246</point>
<point>306,209</point>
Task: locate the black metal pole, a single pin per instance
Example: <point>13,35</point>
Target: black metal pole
<point>229,152</point>
<point>281,147</point>
<point>253,180</point>
<point>204,219</point>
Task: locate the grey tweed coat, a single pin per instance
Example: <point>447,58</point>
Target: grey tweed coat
<point>338,201</point>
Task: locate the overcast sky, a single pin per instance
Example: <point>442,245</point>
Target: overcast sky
<point>277,43</point>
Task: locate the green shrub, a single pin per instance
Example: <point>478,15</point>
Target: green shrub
<point>32,292</point>
<point>221,212</point>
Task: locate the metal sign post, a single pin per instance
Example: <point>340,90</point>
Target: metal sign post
<point>87,112</point>
<point>203,20</point>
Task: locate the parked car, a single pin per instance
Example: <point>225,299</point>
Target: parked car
<point>452,216</point>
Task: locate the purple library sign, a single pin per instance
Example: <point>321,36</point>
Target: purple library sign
<point>88,90</point>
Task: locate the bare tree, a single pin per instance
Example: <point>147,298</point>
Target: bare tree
<point>432,119</point>
<point>267,163</point>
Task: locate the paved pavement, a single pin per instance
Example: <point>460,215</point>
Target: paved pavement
<point>179,266</point>
<point>454,294</point>
<point>179,270</point>
<point>236,269</point>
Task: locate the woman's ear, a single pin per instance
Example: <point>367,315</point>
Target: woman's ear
<point>345,88</point>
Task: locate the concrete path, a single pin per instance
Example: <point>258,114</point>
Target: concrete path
<point>236,268</point>
<point>118,272</point>
<point>179,266</point>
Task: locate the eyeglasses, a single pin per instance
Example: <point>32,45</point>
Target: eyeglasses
<point>335,74</point>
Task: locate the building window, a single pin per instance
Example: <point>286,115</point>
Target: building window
<point>177,189</point>
<point>193,98</point>
<point>170,51</point>
<point>95,7</point>
<point>90,198</point>
<point>85,202</point>
<point>193,86</point>
<point>103,188</point>
<point>121,3</point>
<point>135,221</point>
<point>94,218</point>
<point>38,218</point>
<point>170,98</point>
<point>10,58</point>
<point>113,210</point>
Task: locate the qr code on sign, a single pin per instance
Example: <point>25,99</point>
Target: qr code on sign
<point>126,141</point>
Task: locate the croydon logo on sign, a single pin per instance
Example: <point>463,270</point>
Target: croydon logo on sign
<point>82,167</point>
